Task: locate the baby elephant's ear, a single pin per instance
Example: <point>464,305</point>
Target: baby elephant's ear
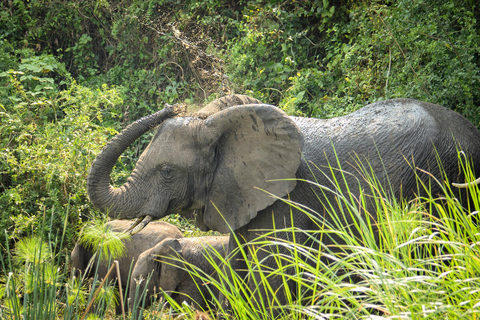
<point>169,269</point>
<point>258,149</point>
<point>168,247</point>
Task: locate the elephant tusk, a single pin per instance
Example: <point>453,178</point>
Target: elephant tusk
<point>138,225</point>
<point>466,185</point>
<point>133,225</point>
<point>141,225</point>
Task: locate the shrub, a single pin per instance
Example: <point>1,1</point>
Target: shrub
<point>328,58</point>
<point>49,138</point>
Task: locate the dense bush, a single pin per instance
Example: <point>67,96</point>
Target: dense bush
<point>48,138</point>
<point>327,58</point>
<point>316,58</point>
<point>159,51</point>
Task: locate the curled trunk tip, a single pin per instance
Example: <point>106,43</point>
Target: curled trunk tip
<point>466,185</point>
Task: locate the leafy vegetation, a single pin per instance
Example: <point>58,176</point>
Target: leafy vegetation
<point>74,73</point>
<point>328,58</point>
<point>425,265</point>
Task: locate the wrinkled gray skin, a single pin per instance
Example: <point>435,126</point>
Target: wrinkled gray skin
<point>146,239</point>
<point>224,161</point>
<point>168,272</point>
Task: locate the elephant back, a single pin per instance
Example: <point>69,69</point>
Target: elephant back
<point>394,138</point>
<point>146,239</point>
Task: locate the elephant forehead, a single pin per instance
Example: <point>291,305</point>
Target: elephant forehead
<point>175,128</point>
<point>176,140</point>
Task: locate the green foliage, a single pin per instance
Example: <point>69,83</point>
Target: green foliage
<point>30,280</point>
<point>158,51</point>
<point>35,282</point>
<point>329,58</point>
<point>314,58</point>
<point>423,50</point>
<point>32,250</point>
<point>275,47</point>
<point>49,137</point>
<point>102,240</point>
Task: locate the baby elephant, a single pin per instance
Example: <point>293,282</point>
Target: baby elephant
<point>170,276</point>
<point>152,234</point>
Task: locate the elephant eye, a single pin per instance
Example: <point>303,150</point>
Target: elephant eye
<point>166,172</point>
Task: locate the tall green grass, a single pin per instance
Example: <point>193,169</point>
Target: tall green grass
<point>417,259</point>
<point>36,282</point>
<point>32,277</point>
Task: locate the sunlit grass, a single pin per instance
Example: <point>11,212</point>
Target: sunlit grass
<point>418,259</point>
<point>410,262</point>
<point>97,236</point>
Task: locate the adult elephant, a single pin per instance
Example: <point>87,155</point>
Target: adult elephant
<point>222,165</point>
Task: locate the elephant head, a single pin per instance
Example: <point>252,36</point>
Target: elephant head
<point>162,264</point>
<point>171,272</point>
<point>213,165</point>
<point>162,268</point>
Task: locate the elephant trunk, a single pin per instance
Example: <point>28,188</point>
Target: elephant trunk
<point>120,202</point>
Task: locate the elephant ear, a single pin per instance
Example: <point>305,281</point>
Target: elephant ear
<point>167,253</point>
<point>258,149</point>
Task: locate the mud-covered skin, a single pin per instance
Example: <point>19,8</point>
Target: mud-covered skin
<point>161,265</point>
<point>228,165</point>
<point>392,138</point>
